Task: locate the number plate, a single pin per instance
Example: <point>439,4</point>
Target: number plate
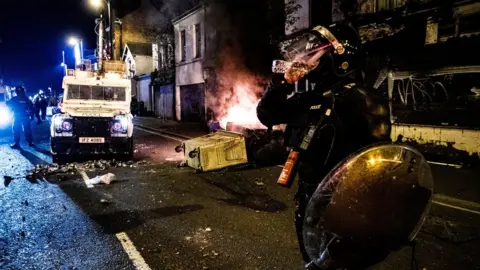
<point>91,140</point>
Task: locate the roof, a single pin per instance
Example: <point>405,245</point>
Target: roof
<point>140,48</point>
<point>188,13</point>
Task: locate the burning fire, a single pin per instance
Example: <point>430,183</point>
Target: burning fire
<point>241,108</point>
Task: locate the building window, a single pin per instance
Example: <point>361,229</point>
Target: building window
<point>198,41</point>
<point>183,46</point>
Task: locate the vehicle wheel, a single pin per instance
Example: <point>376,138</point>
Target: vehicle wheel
<point>129,153</point>
<point>179,148</point>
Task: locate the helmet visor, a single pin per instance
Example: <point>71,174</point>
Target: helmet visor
<point>306,49</point>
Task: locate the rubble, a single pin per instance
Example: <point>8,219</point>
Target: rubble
<point>106,179</point>
<point>7,180</point>
<point>42,171</point>
<point>103,201</point>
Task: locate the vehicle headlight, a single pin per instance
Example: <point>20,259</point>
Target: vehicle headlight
<point>120,124</point>
<point>63,124</point>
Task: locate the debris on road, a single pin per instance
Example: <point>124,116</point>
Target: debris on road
<point>214,151</point>
<point>103,201</point>
<point>7,180</point>
<point>106,179</point>
<point>43,171</point>
<point>85,178</point>
<point>208,229</point>
<point>258,183</point>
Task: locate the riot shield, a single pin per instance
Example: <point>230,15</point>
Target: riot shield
<point>376,199</point>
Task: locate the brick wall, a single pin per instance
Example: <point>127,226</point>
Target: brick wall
<point>139,26</point>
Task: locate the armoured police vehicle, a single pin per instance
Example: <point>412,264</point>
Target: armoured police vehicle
<point>95,116</point>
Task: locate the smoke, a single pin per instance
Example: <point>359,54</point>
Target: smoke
<point>241,51</point>
<point>238,90</point>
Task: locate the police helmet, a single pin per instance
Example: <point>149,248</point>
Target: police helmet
<point>339,42</point>
<point>20,90</point>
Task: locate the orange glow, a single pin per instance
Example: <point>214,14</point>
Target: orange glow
<point>242,108</point>
<point>237,91</point>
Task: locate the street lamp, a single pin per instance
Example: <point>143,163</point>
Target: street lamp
<point>64,65</point>
<point>73,41</point>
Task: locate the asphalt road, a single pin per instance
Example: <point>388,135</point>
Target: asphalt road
<point>159,216</point>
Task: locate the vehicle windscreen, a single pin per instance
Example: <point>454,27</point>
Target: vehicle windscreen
<point>94,92</point>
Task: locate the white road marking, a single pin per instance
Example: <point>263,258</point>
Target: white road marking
<point>132,252</point>
<point>86,179</point>
<point>456,166</point>
<point>456,207</point>
<point>161,134</point>
<point>458,204</point>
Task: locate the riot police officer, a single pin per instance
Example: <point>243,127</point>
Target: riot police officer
<point>22,109</point>
<point>329,58</point>
<point>40,105</point>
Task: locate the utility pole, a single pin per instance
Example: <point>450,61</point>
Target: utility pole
<point>100,44</point>
<point>110,33</point>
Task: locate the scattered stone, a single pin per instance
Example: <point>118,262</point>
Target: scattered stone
<point>23,219</point>
<point>26,202</point>
<point>208,229</point>
<point>103,201</point>
<point>214,253</point>
<point>7,180</point>
<point>259,183</point>
<point>22,233</point>
<point>42,171</point>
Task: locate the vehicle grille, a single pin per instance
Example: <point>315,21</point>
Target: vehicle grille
<point>91,127</point>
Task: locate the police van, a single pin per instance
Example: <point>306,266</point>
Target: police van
<point>95,117</point>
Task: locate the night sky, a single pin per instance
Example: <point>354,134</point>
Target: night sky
<point>33,35</point>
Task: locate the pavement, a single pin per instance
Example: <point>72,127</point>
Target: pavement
<point>160,216</point>
<point>171,127</point>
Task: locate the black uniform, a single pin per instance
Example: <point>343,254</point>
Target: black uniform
<point>22,109</point>
<point>40,107</point>
<point>360,117</point>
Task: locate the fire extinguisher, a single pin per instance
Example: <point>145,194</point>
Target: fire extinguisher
<point>290,168</point>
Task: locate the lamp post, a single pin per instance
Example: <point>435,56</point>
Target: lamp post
<point>73,41</point>
<point>98,4</point>
<point>64,65</point>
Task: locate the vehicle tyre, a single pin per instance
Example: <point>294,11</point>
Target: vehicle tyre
<point>179,148</point>
<point>129,153</point>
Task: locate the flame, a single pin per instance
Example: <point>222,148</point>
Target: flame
<point>242,108</point>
